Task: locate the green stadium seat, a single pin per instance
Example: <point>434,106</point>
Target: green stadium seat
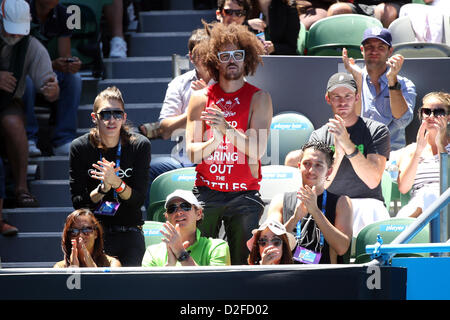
<point>289,131</point>
<point>388,230</point>
<point>152,232</point>
<point>328,36</point>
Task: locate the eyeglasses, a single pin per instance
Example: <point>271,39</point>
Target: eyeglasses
<point>185,206</point>
<point>237,13</point>
<point>436,112</point>
<point>225,56</point>
<point>86,230</point>
<point>274,241</point>
<point>107,114</point>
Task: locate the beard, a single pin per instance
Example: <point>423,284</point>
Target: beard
<point>233,74</point>
<point>9,40</point>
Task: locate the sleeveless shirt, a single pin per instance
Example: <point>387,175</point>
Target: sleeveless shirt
<point>310,234</point>
<point>227,169</point>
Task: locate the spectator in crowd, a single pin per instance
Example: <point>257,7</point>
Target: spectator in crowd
<point>279,23</point>
<point>182,243</point>
<point>114,17</point>
<point>310,11</point>
<point>361,147</point>
<point>5,228</point>
<point>119,160</point>
<point>232,11</point>
<point>82,242</point>
<point>385,11</point>
<point>226,135</point>
<point>419,163</point>
<point>172,118</point>
<point>386,97</point>
<point>49,21</point>
<point>270,244</point>
<point>20,55</point>
<point>321,219</point>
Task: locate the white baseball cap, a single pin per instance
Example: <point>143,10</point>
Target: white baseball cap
<point>277,228</point>
<point>16,16</point>
<point>185,195</point>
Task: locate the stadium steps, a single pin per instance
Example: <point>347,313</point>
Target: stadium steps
<point>142,77</point>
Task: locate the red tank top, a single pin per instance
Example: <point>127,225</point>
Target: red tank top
<point>227,169</point>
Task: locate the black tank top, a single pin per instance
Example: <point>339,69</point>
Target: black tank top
<point>310,235</point>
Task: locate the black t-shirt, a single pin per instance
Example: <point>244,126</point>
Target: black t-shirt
<point>134,165</point>
<point>370,137</point>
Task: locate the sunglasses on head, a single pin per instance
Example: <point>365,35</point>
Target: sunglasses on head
<point>436,112</point>
<point>237,13</point>
<point>274,241</point>
<point>225,56</point>
<point>185,206</point>
<point>86,230</point>
<point>107,114</point>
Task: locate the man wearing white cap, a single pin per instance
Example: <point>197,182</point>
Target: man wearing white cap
<point>182,243</point>
<point>20,55</point>
<point>361,147</point>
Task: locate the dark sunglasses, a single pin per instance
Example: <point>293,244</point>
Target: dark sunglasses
<point>107,114</point>
<point>274,241</point>
<point>185,206</point>
<point>75,232</point>
<point>436,112</point>
<point>237,13</point>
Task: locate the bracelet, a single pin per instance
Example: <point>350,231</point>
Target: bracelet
<point>351,155</point>
<point>121,188</point>
<point>99,189</point>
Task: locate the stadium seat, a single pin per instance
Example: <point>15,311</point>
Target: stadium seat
<point>165,184</point>
<point>278,179</point>
<point>389,230</point>
<point>289,131</point>
<point>301,40</point>
<point>404,40</point>
<point>152,232</point>
<point>328,36</point>
<point>180,64</point>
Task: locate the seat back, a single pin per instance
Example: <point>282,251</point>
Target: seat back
<point>404,40</point>
<point>278,179</point>
<point>152,232</point>
<point>388,230</point>
<point>289,131</point>
<point>180,64</point>
<point>301,39</point>
<point>327,37</point>
<point>165,184</point>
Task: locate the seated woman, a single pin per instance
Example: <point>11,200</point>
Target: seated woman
<point>82,242</point>
<point>419,167</point>
<point>271,244</point>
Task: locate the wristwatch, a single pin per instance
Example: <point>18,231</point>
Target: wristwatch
<point>184,256</point>
<point>396,86</point>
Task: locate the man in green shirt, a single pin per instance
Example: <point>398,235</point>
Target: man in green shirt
<point>182,243</point>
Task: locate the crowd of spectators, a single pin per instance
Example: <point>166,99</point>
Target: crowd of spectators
<point>341,166</point>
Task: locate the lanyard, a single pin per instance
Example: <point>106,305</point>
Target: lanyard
<point>299,223</point>
<point>118,154</point>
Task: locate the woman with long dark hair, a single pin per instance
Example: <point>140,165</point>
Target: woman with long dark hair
<point>109,172</point>
<point>82,242</point>
<point>271,244</point>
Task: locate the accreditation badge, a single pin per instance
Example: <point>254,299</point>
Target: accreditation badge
<point>304,255</point>
<point>107,208</point>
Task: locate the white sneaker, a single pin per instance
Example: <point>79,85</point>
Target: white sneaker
<point>62,150</point>
<point>33,150</point>
<point>118,48</point>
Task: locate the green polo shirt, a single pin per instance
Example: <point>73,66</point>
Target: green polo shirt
<point>205,252</point>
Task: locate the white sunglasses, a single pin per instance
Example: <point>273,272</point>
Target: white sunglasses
<point>225,56</point>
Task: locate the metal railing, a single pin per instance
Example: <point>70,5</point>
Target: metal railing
<point>436,214</point>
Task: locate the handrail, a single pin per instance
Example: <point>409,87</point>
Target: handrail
<point>408,248</point>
